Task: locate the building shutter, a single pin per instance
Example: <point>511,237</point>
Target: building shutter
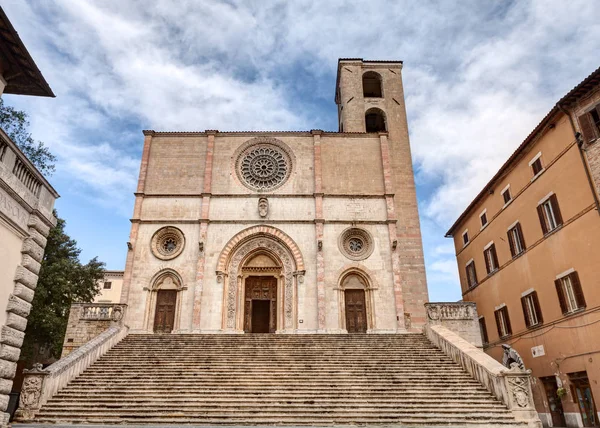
<point>487,263</point>
<point>525,311</point>
<point>538,309</point>
<point>493,250</point>
<point>506,317</point>
<point>511,243</point>
<point>540,210</point>
<point>577,290</point>
<point>561,296</point>
<point>474,272</point>
<point>587,127</point>
<point>498,323</point>
<point>484,335</point>
<point>556,209</point>
<point>521,237</point>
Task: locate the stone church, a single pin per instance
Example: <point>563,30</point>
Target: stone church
<point>282,232</point>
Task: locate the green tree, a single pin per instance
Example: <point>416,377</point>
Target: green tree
<point>63,280</point>
<point>16,124</point>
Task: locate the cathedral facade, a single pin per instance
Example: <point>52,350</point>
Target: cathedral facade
<point>282,232</point>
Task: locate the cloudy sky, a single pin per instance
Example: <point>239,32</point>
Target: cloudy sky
<point>478,77</point>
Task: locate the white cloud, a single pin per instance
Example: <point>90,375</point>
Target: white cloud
<point>478,77</point>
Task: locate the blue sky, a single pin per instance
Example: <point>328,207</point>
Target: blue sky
<point>478,76</point>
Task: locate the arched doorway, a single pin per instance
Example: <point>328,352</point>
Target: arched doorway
<point>356,302</point>
<point>163,302</point>
<point>259,267</point>
<point>261,275</point>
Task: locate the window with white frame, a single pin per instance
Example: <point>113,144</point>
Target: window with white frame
<point>570,294</point>
<point>483,218</point>
<point>465,237</point>
<point>491,259</point>
<point>536,165</point>
<point>506,196</point>
<point>549,214</point>
<point>516,242</point>
<point>471,274</point>
<point>531,309</point>
<point>503,322</point>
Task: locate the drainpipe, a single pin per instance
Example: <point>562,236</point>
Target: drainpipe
<point>581,150</point>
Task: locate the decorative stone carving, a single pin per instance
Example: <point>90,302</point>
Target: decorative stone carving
<point>356,243</point>
<point>450,311</point>
<point>235,280</point>
<point>511,358</point>
<point>263,163</point>
<point>167,243</point>
<point>519,387</point>
<point>263,207</point>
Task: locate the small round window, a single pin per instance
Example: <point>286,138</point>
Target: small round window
<point>355,243</point>
<point>167,243</point>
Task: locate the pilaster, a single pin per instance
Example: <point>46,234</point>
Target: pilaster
<point>319,226</point>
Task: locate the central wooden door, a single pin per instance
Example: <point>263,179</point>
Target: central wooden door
<point>260,306</point>
<point>356,312</point>
<point>164,317</point>
<point>554,401</point>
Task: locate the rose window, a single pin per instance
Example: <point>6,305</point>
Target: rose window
<point>262,164</point>
<point>355,243</point>
<point>167,243</point>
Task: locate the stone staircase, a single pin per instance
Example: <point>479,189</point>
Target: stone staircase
<point>276,379</point>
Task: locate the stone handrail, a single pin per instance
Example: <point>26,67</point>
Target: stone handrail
<point>511,386</point>
<point>101,311</point>
<point>39,385</point>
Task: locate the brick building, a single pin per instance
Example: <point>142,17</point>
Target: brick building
<point>527,250</point>
<point>282,231</point>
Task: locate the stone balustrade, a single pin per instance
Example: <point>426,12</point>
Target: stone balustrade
<point>39,384</point>
<point>511,386</point>
<point>100,311</point>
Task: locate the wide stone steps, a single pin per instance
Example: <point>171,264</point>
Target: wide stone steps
<point>296,380</point>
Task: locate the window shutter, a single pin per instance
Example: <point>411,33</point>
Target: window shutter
<point>498,323</point>
<point>577,290</point>
<point>510,243</point>
<point>487,263</point>
<point>525,311</point>
<point>561,296</point>
<point>540,210</point>
<point>587,127</point>
<point>508,327</point>
<point>556,209</point>
<point>536,305</point>
<point>484,334</point>
<point>474,272</point>
<point>495,257</point>
<point>521,237</point>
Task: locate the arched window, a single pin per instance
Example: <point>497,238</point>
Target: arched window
<point>372,85</point>
<point>375,120</point>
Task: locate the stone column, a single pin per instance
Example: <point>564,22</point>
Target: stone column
<point>319,226</point>
<point>401,322</point>
<point>204,219</point>
<point>137,213</point>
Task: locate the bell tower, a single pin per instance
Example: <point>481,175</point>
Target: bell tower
<point>370,99</point>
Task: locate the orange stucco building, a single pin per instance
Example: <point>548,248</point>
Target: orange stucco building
<point>528,253</point>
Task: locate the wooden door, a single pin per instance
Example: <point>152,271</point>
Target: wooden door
<point>164,318</point>
<point>554,401</point>
<point>260,306</point>
<point>356,312</point>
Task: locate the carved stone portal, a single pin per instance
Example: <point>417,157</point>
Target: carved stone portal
<point>246,251</point>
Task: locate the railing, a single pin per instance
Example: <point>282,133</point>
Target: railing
<point>21,171</point>
<point>39,385</point>
<point>101,311</point>
<point>511,386</point>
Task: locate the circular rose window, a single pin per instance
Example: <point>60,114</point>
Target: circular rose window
<point>167,243</point>
<point>263,165</point>
<point>355,243</point>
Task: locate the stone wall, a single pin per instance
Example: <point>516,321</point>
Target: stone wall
<point>26,202</point>
<point>88,320</point>
<point>460,318</point>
